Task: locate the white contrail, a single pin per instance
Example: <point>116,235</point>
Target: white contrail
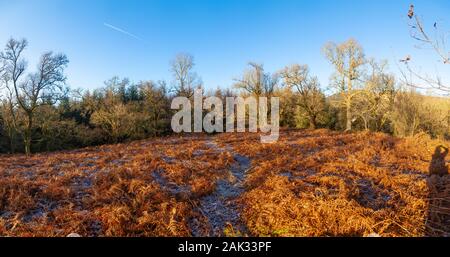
<point>121,30</point>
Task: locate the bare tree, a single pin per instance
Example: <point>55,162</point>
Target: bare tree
<point>185,79</point>
<point>312,100</point>
<point>8,108</point>
<point>2,73</point>
<point>432,38</point>
<point>155,101</point>
<point>13,69</point>
<point>257,82</point>
<point>408,113</point>
<point>117,86</point>
<point>39,88</point>
<point>347,59</point>
<point>8,111</point>
<point>115,120</point>
<point>374,103</point>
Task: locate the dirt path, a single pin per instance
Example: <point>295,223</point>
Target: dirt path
<point>220,208</point>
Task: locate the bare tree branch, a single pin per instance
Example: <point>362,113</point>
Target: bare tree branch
<point>186,81</point>
<point>37,88</point>
<point>438,43</point>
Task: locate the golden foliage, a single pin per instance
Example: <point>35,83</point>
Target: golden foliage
<point>322,183</point>
<point>310,183</point>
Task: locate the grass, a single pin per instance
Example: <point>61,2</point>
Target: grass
<point>310,183</point>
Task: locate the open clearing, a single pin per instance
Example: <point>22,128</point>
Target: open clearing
<point>309,183</point>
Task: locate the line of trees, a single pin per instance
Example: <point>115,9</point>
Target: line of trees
<point>38,112</point>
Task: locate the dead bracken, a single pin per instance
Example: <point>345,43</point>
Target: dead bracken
<point>309,183</point>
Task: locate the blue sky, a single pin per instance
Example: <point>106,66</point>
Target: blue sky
<point>223,35</point>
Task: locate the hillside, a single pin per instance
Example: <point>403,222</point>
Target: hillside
<point>309,183</point>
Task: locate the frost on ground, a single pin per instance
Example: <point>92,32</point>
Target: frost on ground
<point>309,183</point>
<point>220,207</point>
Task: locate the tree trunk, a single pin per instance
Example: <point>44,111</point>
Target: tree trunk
<point>348,127</point>
<point>155,125</point>
<point>349,101</point>
<point>11,142</point>
<point>312,122</point>
<point>27,135</point>
<point>366,123</point>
